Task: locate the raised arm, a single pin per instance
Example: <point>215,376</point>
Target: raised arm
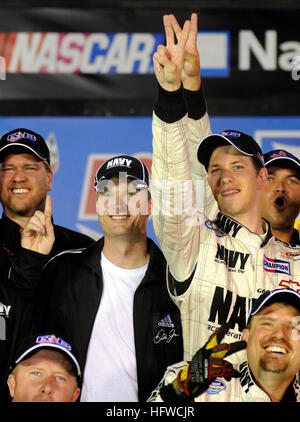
<point>198,119</point>
<point>174,212</point>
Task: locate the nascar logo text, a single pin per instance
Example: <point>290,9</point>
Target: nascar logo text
<point>77,52</point>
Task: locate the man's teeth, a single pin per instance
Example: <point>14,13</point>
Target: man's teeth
<point>229,192</point>
<point>119,217</point>
<point>276,349</point>
<point>20,190</point>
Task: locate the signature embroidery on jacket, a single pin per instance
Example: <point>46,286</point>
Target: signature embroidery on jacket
<point>162,335</point>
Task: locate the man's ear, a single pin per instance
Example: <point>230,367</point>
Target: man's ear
<point>245,334</point>
<point>262,178</point>
<point>76,394</point>
<point>11,382</point>
<point>50,180</point>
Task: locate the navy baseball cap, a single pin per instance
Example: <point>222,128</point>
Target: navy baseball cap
<point>31,344</point>
<point>123,165</point>
<point>23,140</point>
<point>283,159</point>
<point>239,140</point>
<point>288,296</point>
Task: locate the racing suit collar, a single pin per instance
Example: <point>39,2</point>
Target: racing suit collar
<point>251,389</point>
<point>232,227</point>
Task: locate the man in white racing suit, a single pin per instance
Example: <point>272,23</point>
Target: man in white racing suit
<point>269,374</point>
<point>215,267</point>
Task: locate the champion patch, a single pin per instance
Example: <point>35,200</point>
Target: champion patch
<point>216,386</point>
<point>276,266</point>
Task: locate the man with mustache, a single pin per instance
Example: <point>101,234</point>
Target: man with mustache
<point>269,374</point>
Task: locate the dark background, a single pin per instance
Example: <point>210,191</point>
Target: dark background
<point>248,93</point>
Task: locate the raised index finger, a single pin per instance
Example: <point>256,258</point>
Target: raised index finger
<point>48,206</point>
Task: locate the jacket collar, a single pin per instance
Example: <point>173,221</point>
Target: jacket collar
<point>91,255</point>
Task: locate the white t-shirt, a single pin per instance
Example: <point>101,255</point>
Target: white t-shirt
<point>110,370</point>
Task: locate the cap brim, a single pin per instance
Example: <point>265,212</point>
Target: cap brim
<point>48,346</point>
<point>4,150</point>
<point>290,297</point>
<point>210,143</point>
<point>138,183</point>
<point>284,162</point>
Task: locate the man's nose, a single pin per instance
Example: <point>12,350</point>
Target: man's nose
<point>279,187</point>
<point>47,385</point>
<point>122,202</point>
<point>19,175</point>
<point>226,175</point>
<point>281,331</point>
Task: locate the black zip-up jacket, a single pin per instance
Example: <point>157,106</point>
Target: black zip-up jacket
<point>17,289</point>
<point>73,284</point>
<point>295,241</point>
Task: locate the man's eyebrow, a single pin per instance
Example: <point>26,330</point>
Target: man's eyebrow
<point>231,162</point>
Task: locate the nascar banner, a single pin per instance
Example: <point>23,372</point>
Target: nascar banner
<point>250,60</point>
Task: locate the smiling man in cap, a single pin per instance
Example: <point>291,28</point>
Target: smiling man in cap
<point>214,265</point>
<point>45,369</point>
<point>281,195</point>
<point>25,180</point>
<point>270,372</point>
<point>111,298</point>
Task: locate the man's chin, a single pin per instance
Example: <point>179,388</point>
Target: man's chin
<point>42,400</point>
<point>274,367</point>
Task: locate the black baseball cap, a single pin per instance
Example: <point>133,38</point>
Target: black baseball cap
<point>283,159</point>
<point>239,140</point>
<point>31,344</point>
<point>127,166</point>
<point>23,140</point>
<point>288,296</point>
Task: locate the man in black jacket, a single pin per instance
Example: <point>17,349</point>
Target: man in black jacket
<point>111,298</point>
<point>25,179</point>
